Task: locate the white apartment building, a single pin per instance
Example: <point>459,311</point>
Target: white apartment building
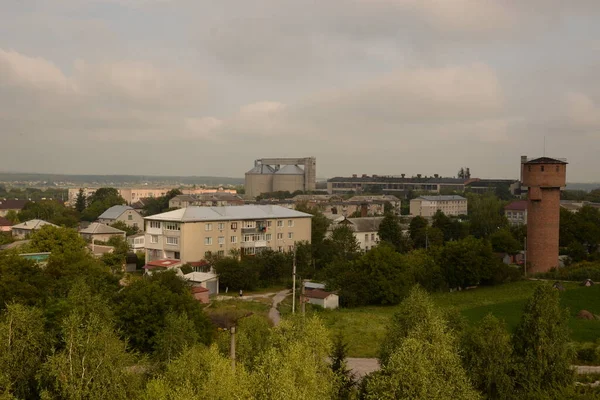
<point>191,234</point>
<point>366,230</point>
<point>427,206</point>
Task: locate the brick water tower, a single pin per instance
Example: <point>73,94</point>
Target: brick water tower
<point>544,178</point>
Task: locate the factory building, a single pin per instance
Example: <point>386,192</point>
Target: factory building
<point>281,174</point>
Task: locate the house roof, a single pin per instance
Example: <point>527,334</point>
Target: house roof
<point>114,212</point>
<point>317,294</point>
<point>383,197</point>
<point>199,289</point>
<point>314,285</point>
<point>97,228</point>
<point>228,213</point>
<point>365,224</point>
<point>199,276</point>
<point>165,263</point>
<point>519,205</point>
<point>546,160</point>
<point>442,198</point>
<point>33,224</point>
<point>14,245</point>
<point>99,249</point>
<point>12,204</point>
<point>5,222</point>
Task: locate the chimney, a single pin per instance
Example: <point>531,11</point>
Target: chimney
<point>365,176</point>
<point>354,175</point>
<point>364,210</point>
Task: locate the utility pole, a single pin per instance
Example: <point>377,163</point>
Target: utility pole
<point>302,299</point>
<point>525,258</point>
<point>232,347</point>
<point>294,283</point>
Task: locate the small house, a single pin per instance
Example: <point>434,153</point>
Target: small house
<point>100,232</point>
<point>205,280</point>
<point>322,298</point>
<point>21,231</point>
<point>125,214</point>
<point>201,294</point>
<point>161,265</point>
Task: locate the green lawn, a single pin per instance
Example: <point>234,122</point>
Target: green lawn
<point>364,327</point>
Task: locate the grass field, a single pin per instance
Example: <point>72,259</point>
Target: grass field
<point>364,327</point>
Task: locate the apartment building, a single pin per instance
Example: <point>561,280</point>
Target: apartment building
<point>427,206</point>
<point>366,230</point>
<point>398,185</point>
<point>132,195</point>
<point>191,234</point>
<point>516,212</point>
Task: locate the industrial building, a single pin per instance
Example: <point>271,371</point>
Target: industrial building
<point>544,177</point>
<point>281,174</point>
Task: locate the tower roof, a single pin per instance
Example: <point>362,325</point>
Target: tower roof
<point>546,160</point>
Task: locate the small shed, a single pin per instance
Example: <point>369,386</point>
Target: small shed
<point>161,265</point>
<point>201,294</point>
<point>559,286</point>
<point>205,280</point>
<point>587,283</point>
<point>131,260</point>
<point>322,298</point>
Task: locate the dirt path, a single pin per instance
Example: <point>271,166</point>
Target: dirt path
<point>274,312</point>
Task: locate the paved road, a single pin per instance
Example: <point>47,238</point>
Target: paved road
<point>274,312</point>
<point>364,366</point>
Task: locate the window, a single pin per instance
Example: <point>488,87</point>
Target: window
<point>207,254</point>
<point>233,239</point>
<point>290,248</point>
<point>221,253</point>
<point>290,235</point>
<point>221,239</point>
<point>177,255</point>
<point>172,240</point>
<point>208,227</point>
<point>268,236</point>
<point>366,237</point>
<point>372,236</point>
<point>279,224</point>
<point>172,226</point>
<point>251,251</point>
<point>269,223</point>
<point>249,224</point>
<point>234,225</point>
<point>221,226</point>
<point>280,249</point>
<point>542,168</point>
<point>280,236</point>
<point>155,224</point>
<point>154,239</point>
<point>208,241</point>
<point>247,238</point>
<point>130,217</point>
<point>135,225</point>
<point>290,223</point>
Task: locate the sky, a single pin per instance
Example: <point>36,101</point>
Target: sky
<point>196,87</point>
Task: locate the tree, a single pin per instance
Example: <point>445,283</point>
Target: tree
<point>142,307</point>
<point>177,335</point>
<point>235,275</point>
<point>391,232</point>
<point>51,211</point>
<point>81,202</point>
<point>419,357</point>
<point>504,242</point>
<point>157,205</point>
<point>129,230</point>
<point>425,270</point>
<point>60,242</point>
<point>467,262</point>
<point>417,230</point>
<point>339,366</point>
<point>486,214</point>
<point>23,346</point>
<point>343,243</point>
<point>100,201</point>
<point>541,344</point>
<point>13,217</point>
<point>93,364</point>
<point>487,358</point>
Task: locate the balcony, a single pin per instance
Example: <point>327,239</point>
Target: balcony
<point>257,229</point>
<point>258,243</point>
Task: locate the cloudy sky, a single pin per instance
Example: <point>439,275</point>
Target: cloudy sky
<point>196,87</point>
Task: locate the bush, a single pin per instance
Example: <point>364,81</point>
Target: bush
<point>576,272</point>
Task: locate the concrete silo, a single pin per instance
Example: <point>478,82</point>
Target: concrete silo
<point>259,180</point>
<point>288,178</point>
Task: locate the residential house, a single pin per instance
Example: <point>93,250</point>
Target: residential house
<point>99,250</point>
<point>100,233</point>
<point>137,242</point>
<point>11,205</point>
<point>384,198</point>
<point>161,265</point>
<point>322,298</point>
<point>427,206</point>
<point>365,230</point>
<point>24,229</point>
<point>190,234</point>
<point>516,212</point>
<point>125,214</point>
<point>201,294</point>
<point>5,225</point>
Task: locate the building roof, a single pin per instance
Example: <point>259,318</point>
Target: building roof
<point>546,160</point>
<point>442,198</point>
<point>382,197</point>
<point>317,294</point>
<point>227,213</point>
<point>519,205</point>
<point>308,197</point>
<point>5,222</point>
<point>290,170</point>
<point>100,249</point>
<point>33,224</point>
<point>97,228</point>
<point>199,289</point>
<point>114,212</point>
<point>184,197</point>
<point>261,169</point>
<point>399,179</point>
<point>364,224</point>
<point>199,276</point>
<point>314,285</point>
<point>163,263</point>
<point>12,204</point>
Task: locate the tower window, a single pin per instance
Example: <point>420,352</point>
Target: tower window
<point>542,168</point>
<point>557,168</point>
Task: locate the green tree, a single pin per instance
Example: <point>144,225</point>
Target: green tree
<point>343,243</point>
<point>129,230</point>
<point>417,230</point>
<point>425,270</point>
<point>100,201</point>
<point>541,344</point>
<point>81,202</point>
<point>157,205</point>
<point>23,346</point>
<point>142,307</point>
<point>486,214</point>
<point>13,217</point>
<point>467,262</point>
<point>419,357</point>
<point>339,366</point>
<point>51,211</point>
<point>61,242</point>
<point>487,358</point>
<point>235,275</point>
<point>177,335</point>
<point>504,242</point>
<point>21,281</point>
<point>391,232</point>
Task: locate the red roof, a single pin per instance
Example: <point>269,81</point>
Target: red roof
<point>164,263</point>
<point>199,289</point>
<point>317,294</point>
<point>12,204</point>
<point>201,263</point>
<point>520,205</point>
<point>4,222</point>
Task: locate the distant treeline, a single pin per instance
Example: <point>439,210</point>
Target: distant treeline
<point>120,179</point>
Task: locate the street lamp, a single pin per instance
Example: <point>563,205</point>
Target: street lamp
<point>232,330</point>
